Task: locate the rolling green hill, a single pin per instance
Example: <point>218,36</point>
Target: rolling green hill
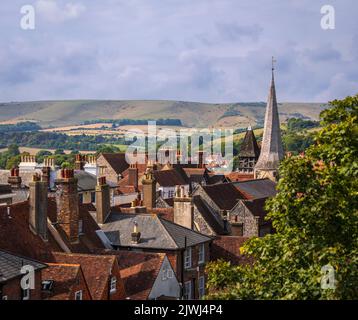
<point>63,113</point>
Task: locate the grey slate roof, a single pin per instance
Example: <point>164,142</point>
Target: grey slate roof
<point>10,265</point>
<point>249,147</point>
<point>86,181</point>
<point>156,233</point>
<point>258,188</point>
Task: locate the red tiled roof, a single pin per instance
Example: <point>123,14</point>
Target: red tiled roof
<point>16,237</point>
<point>138,271</point>
<point>96,269</point>
<point>165,213</point>
<point>65,276</point>
<point>228,248</point>
<point>169,178</point>
<point>117,161</point>
<point>225,195</point>
<point>139,278</point>
<point>240,176</point>
<point>89,239</point>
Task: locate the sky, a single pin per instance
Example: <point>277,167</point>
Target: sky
<point>216,51</point>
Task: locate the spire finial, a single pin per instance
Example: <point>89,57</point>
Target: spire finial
<point>273,63</point>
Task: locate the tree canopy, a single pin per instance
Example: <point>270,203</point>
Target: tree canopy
<point>314,252</point>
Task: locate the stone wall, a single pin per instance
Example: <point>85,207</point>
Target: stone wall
<point>240,214</point>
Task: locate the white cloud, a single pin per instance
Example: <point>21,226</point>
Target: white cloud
<point>213,51</point>
<point>51,11</point>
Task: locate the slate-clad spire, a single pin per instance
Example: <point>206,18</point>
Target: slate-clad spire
<point>249,152</point>
<point>249,147</point>
<point>271,148</point>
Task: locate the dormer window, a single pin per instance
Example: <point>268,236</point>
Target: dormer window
<point>47,285</point>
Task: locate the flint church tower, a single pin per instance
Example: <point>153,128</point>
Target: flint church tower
<point>271,147</point>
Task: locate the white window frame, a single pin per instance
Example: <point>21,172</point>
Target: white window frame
<point>167,274</point>
<point>187,258</point>
<point>113,285</point>
<point>25,294</point>
<point>201,286</point>
<point>80,293</point>
<point>188,290</point>
<point>201,254</point>
<point>171,193</point>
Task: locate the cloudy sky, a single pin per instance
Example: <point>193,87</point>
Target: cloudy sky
<point>202,50</point>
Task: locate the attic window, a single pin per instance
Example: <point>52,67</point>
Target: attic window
<point>47,285</point>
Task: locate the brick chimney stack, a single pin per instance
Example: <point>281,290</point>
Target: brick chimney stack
<point>149,188</point>
<point>183,208</point>
<point>201,159</point>
<point>67,204</point>
<point>80,161</point>
<point>14,179</point>
<point>133,175</point>
<point>103,202</point>
<point>46,176</point>
<point>49,162</point>
<point>38,207</point>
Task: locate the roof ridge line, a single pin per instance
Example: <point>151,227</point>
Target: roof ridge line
<point>161,223</point>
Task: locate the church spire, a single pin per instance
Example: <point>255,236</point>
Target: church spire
<point>271,148</point>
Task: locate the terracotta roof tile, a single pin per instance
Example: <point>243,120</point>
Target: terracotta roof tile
<point>16,237</point>
<point>117,161</point>
<point>228,248</point>
<point>169,178</point>
<point>256,188</point>
<point>225,195</point>
<point>140,277</point>
<point>65,276</point>
<point>96,270</point>
<point>239,176</point>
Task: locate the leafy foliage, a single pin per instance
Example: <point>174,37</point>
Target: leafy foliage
<point>315,214</point>
<point>20,127</point>
<point>297,124</point>
<point>50,140</point>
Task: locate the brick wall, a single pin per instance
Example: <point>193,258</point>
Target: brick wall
<point>191,274</point>
<point>12,289</point>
